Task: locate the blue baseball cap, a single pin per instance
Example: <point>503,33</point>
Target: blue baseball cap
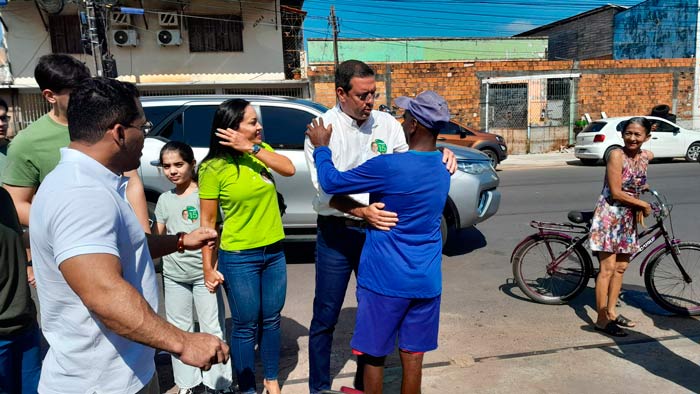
<point>429,108</point>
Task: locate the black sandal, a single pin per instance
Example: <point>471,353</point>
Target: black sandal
<point>624,322</point>
<point>611,329</point>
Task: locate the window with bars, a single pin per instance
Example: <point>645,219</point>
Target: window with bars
<point>65,34</point>
<point>216,33</point>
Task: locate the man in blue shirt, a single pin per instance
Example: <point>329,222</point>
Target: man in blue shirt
<point>399,280</point>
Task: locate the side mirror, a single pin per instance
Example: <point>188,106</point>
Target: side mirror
<point>676,130</point>
<point>462,134</point>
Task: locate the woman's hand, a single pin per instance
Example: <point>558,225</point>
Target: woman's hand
<point>212,280</point>
<point>646,209</point>
<point>235,140</point>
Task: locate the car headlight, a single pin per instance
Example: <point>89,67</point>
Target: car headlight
<point>500,139</point>
<point>473,167</point>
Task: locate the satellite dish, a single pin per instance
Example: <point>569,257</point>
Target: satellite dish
<point>51,6</point>
<point>165,37</point>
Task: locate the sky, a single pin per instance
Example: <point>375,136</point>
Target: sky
<point>439,18</point>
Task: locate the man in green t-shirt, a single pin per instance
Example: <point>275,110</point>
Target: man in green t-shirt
<point>35,151</point>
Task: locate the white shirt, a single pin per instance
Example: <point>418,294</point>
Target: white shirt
<point>81,208</point>
<point>351,146</point>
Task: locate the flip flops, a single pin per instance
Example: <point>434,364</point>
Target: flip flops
<point>624,322</point>
<point>612,329</point>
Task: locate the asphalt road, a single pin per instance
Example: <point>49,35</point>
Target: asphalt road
<point>492,338</point>
<point>488,327</point>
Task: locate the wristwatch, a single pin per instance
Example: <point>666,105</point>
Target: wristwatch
<point>256,149</point>
<point>181,242</point>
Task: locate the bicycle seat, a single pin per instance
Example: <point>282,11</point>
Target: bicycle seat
<point>580,216</point>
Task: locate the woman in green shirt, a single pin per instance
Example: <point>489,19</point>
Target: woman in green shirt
<point>235,175</point>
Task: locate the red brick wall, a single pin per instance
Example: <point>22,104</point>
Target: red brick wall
<point>618,87</point>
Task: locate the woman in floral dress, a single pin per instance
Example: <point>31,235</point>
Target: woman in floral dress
<point>614,227</point>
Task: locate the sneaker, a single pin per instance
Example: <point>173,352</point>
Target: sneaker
<point>231,390</point>
<point>185,391</point>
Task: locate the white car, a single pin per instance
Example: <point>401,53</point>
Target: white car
<point>668,140</point>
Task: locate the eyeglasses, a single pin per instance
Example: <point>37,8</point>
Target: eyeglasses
<point>367,96</point>
<point>145,128</point>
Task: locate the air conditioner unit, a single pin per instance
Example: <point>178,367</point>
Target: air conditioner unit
<point>169,19</point>
<point>128,37</point>
<point>119,19</point>
<point>169,37</point>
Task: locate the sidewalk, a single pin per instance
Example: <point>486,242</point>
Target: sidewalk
<point>537,160</point>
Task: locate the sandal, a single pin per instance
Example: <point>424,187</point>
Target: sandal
<point>624,322</point>
<point>611,329</point>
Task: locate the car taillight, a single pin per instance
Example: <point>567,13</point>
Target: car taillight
<point>599,138</point>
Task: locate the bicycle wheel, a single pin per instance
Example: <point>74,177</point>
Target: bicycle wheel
<point>553,286</point>
<point>666,285</point>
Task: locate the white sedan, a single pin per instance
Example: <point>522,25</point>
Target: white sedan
<point>668,140</point>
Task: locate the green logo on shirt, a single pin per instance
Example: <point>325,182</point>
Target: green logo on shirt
<point>378,146</point>
<point>190,214</point>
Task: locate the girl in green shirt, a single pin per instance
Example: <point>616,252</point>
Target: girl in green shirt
<point>235,175</point>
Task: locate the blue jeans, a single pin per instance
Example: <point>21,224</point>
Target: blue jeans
<point>256,286</point>
<point>338,249</point>
<point>20,362</point>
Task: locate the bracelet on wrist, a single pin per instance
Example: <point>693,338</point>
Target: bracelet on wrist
<point>181,242</point>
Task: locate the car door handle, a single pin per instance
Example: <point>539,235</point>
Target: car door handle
<point>155,163</point>
<point>442,139</point>
<point>654,138</point>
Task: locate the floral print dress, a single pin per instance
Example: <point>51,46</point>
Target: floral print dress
<point>614,229</point>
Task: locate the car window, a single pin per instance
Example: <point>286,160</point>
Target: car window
<point>197,120</point>
<point>450,128</point>
<point>172,130</point>
<point>283,127</point>
<point>156,115</point>
<point>594,127</point>
<point>663,127</point>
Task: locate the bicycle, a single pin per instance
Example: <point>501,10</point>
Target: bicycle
<point>553,265</point>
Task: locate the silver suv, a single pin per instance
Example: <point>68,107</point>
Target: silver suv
<point>473,196</point>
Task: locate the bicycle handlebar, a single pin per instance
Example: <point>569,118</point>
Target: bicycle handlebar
<point>659,207</point>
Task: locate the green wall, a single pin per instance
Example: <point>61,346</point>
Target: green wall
<point>321,51</point>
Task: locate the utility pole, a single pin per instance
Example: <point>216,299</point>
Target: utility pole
<point>334,23</point>
<point>93,36</point>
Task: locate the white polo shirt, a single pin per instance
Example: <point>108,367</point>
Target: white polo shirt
<point>353,145</point>
<point>81,208</point>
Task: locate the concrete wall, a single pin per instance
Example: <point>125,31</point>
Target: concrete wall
<point>398,50</point>
<point>262,42</point>
<point>656,29</point>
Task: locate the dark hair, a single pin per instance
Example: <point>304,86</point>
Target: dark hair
<point>185,152</point>
<point>639,120</point>
<point>229,115</point>
<point>348,70</point>
<point>98,104</point>
<point>3,104</point>
<point>58,71</point>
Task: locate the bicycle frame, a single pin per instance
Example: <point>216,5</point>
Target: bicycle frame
<point>564,229</point>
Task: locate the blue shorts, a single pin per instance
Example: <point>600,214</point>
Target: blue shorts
<point>381,318</point>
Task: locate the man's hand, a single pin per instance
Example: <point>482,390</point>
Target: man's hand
<point>212,280</point>
<point>377,217</point>
<point>200,238</point>
<point>450,160</point>
<point>235,140</point>
<point>30,276</point>
<point>318,134</point>
<point>203,350</point>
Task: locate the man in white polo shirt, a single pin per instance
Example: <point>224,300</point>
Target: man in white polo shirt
<point>93,262</point>
<point>359,134</point>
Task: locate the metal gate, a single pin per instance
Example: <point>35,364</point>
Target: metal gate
<point>534,114</point>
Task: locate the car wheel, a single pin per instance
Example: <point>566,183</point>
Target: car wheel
<point>589,162</point>
<point>607,152</point>
<point>693,152</point>
<point>493,157</point>
<point>444,230</point>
